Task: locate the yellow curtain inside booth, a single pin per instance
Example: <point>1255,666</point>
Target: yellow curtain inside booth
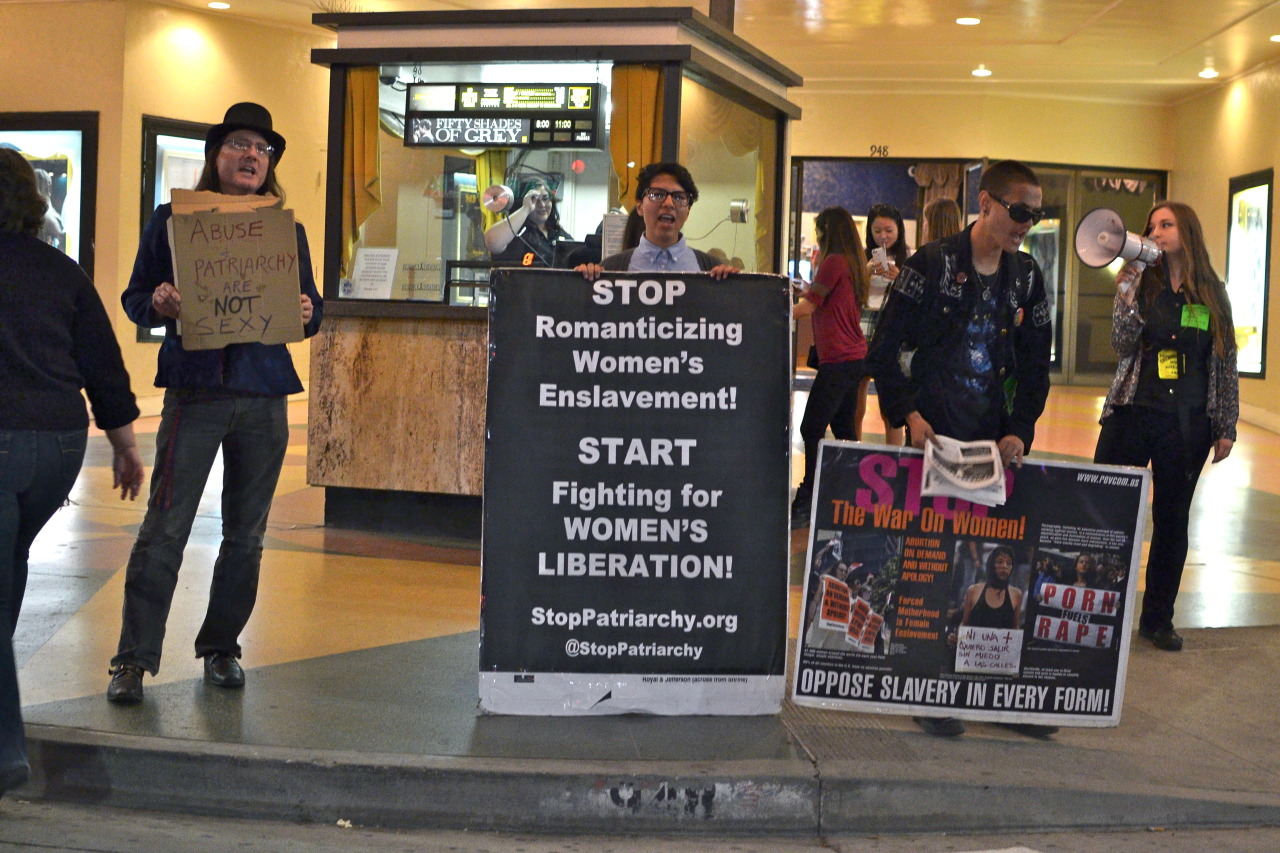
<point>762,214</point>
<point>361,168</point>
<point>635,134</point>
<point>491,168</point>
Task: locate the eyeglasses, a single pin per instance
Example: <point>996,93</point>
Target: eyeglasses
<point>1020,212</point>
<point>236,143</point>
<point>679,199</point>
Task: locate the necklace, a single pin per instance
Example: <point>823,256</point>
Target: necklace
<point>987,282</point>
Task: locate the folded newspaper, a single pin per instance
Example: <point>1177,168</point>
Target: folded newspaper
<point>970,470</point>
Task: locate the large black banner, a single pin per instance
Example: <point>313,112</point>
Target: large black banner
<point>635,539</point>
<point>939,607</point>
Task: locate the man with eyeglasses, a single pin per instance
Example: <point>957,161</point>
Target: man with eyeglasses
<point>230,402</point>
<point>962,347</point>
<point>664,194</point>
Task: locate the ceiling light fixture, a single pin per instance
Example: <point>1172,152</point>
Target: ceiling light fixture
<point>219,5</point>
<point>1209,72</point>
<point>968,22</point>
<point>981,71</point>
<point>1275,38</point>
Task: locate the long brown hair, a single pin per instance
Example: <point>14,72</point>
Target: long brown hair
<point>838,234</point>
<point>941,219</point>
<point>1202,283</point>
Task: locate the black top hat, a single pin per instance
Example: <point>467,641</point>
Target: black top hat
<point>245,116</point>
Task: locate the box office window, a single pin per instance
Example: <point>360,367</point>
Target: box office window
<point>415,178</point>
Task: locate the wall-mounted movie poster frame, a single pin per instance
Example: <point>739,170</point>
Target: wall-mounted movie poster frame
<point>62,147</point>
<point>1249,265</point>
<point>172,158</point>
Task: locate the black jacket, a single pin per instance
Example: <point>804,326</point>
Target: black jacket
<point>927,315</point>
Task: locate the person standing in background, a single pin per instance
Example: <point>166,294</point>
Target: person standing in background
<point>1175,396</point>
<point>528,237</point>
<point>887,251</point>
<point>232,399</point>
<point>55,338</point>
<point>941,219</point>
<point>834,301</point>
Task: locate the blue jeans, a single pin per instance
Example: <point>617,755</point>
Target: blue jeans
<point>37,471</point>
<point>253,433</point>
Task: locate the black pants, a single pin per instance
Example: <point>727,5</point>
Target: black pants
<point>1136,435</point>
<point>833,401</point>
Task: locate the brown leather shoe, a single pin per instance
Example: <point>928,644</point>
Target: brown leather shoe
<point>126,684</point>
<point>223,670</point>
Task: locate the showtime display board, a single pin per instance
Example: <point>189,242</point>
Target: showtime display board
<point>939,607</point>
<point>636,539</point>
<point>550,115</point>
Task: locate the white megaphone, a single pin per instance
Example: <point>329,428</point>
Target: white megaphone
<point>1101,238</point>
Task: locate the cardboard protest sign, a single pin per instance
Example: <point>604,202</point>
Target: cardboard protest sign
<point>635,494</point>
<point>235,263</point>
<point>1013,613</point>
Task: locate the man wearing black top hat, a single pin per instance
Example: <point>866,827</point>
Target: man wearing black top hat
<point>231,399</point>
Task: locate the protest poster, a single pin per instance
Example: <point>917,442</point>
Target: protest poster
<point>235,264</point>
<point>635,540</point>
<point>1015,613</point>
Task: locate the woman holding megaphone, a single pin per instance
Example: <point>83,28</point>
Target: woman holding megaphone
<point>1176,394</point>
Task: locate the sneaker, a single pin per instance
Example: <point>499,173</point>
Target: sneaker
<point>221,669</point>
<point>940,726</point>
<point>126,684</point>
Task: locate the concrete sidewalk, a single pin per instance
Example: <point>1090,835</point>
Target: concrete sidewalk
<point>392,737</point>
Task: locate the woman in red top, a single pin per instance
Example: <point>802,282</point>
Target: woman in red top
<point>835,300</point>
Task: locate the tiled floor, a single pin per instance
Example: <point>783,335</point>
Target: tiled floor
<point>370,605</point>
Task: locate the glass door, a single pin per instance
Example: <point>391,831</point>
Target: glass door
<point>1091,360</point>
<point>1048,242</point>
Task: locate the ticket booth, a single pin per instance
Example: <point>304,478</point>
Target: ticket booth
<point>438,119</point>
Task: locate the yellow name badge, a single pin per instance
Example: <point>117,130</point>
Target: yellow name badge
<point>1195,317</point>
<point>1167,363</point>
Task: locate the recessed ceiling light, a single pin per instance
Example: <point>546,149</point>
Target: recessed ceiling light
<point>219,5</point>
<point>1208,74</point>
<point>968,22</point>
<point>1275,38</point>
<point>981,71</point>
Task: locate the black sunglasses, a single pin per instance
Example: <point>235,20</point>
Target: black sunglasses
<point>1020,213</point>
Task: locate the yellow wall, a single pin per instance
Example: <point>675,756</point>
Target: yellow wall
<point>1234,130</point>
<point>126,60</point>
<point>57,57</point>
<point>1037,130</point>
